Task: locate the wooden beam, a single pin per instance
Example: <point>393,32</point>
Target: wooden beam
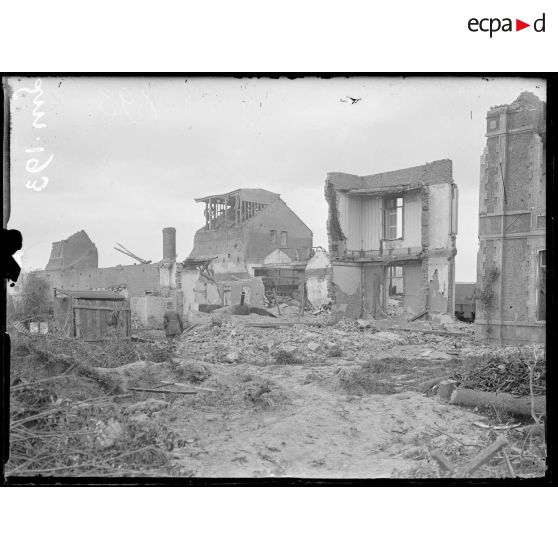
<point>485,455</point>
<point>226,210</point>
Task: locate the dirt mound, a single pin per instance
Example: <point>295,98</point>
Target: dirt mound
<point>192,371</point>
<point>361,381</point>
<point>261,393</point>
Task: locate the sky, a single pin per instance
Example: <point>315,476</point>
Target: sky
<point>124,157</point>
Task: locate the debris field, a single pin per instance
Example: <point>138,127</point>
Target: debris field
<point>253,396</point>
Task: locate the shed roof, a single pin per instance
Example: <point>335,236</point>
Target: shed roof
<point>96,295</point>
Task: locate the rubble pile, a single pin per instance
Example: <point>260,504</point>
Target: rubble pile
<point>240,339</point>
<point>285,305</point>
<point>507,374</point>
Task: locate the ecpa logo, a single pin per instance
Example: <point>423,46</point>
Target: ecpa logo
<point>494,24</point>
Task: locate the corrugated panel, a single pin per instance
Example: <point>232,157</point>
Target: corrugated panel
<point>354,241</point>
<point>361,221</point>
<point>440,216</point>
<point>372,223</point>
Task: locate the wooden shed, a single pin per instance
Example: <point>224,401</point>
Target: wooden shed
<point>92,315</point>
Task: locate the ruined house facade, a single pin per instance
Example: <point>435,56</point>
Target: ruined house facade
<point>244,226</point>
<point>243,230</point>
<point>392,241</point>
<point>511,267</point>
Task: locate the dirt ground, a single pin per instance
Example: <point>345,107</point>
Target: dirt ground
<point>310,428</point>
<point>286,399</point>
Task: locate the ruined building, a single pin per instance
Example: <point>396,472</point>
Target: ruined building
<point>511,268</point>
<point>75,252</point>
<point>392,241</point>
<point>73,266</point>
<point>244,226</point>
<point>246,231</point>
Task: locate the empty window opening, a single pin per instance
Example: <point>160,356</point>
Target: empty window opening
<point>273,236</point>
<point>393,218</point>
<point>394,290</point>
<point>283,238</point>
<point>395,277</point>
<point>541,311</point>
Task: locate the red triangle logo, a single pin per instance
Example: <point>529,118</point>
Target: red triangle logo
<point>519,25</point>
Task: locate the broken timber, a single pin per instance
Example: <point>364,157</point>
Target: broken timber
<point>152,390</point>
<point>431,331</point>
<point>505,401</point>
<point>485,455</point>
<point>271,324</point>
<point>475,463</point>
<point>443,461</point>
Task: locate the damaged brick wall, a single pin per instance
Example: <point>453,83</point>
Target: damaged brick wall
<point>77,252</point>
<point>373,278</point>
<point>437,172</point>
<point>347,293</point>
<point>511,233</point>
<point>336,238</point>
<point>415,293</point>
<point>137,278</point>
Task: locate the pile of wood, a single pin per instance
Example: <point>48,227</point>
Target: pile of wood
<point>514,384</point>
<point>506,375</point>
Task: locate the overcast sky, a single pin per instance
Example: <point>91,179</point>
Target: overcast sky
<point>131,154</point>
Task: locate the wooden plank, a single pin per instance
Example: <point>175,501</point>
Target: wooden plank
<point>164,391</point>
<point>485,455</point>
<point>431,331</point>
<point>96,322</point>
<point>82,307</point>
<point>105,339</point>
<point>442,461</point>
<point>85,323</point>
<point>271,324</point>
<point>77,323</point>
<point>122,323</point>
<point>103,327</point>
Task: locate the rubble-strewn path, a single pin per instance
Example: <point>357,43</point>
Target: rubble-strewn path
<point>314,429</point>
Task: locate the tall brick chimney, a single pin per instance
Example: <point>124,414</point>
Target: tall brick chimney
<point>169,243</point>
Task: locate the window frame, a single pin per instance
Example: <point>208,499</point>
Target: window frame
<point>389,213</point>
